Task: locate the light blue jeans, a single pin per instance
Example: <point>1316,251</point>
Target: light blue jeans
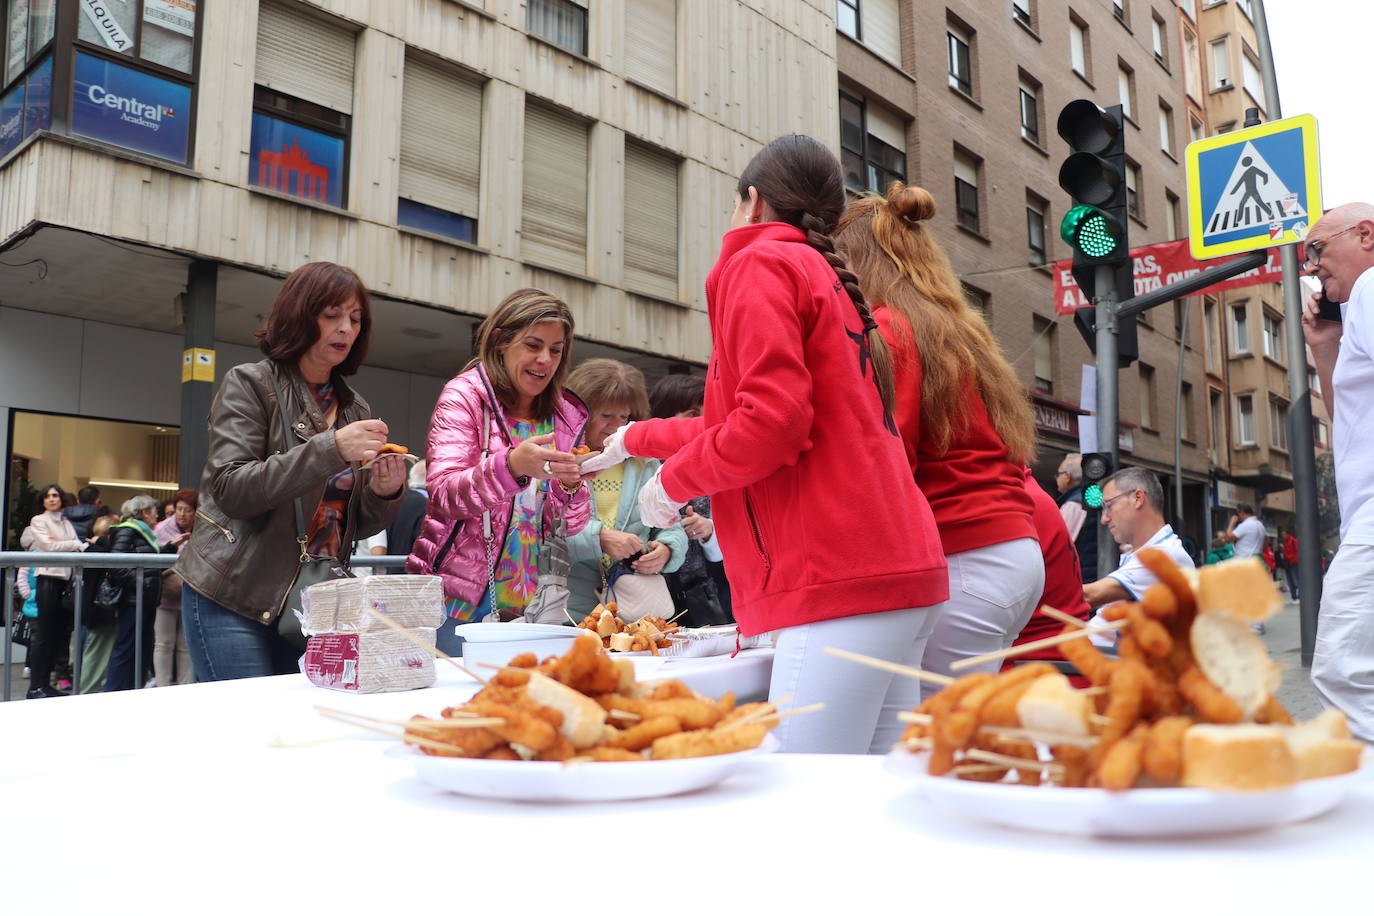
<point>225,646</point>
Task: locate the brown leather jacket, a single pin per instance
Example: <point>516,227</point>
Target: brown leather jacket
<point>243,552</point>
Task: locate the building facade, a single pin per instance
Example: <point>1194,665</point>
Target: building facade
<point>163,163</point>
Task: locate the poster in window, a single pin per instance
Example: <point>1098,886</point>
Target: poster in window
<point>42,19</point>
<point>169,31</point>
<point>296,160</point>
<point>11,119</point>
<point>108,23</point>
<point>16,40</point>
<point>125,107</point>
<point>38,98</point>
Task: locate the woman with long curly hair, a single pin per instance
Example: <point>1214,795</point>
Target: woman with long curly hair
<point>964,418</point>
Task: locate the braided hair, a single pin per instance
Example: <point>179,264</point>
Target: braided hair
<point>801,180</point>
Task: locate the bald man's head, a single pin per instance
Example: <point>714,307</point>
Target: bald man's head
<point>1345,239</point>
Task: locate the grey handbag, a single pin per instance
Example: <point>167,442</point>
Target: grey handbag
<point>549,603</point>
<point>310,569</point>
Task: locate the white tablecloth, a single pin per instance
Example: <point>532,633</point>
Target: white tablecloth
<point>176,800</point>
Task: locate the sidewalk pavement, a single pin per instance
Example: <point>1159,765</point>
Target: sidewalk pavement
<point>1284,639</point>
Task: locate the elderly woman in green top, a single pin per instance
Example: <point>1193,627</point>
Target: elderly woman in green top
<point>615,394</point>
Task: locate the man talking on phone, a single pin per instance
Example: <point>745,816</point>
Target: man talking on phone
<point>1340,254</point>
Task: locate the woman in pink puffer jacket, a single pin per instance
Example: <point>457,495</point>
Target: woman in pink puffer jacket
<point>519,471</point>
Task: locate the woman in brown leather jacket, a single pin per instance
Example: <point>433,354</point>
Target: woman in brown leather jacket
<point>242,558</point>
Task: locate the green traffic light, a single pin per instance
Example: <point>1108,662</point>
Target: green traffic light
<point>1093,497</point>
<point>1091,231</point>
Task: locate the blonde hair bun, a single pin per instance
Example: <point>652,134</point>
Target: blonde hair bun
<point>910,203</point>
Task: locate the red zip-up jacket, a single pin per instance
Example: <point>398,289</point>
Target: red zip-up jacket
<point>974,488</point>
<point>814,505</point>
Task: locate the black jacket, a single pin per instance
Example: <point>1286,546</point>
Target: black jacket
<point>83,516</point>
<point>129,540</point>
<point>401,534</point>
<point>1086,542</point>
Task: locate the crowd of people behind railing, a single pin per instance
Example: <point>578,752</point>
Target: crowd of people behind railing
<point>857,456</point>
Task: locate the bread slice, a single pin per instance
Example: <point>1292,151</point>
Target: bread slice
<point>1235,659</point>
<point>1051,704</point>
<point>582,716</point>
<point>1245,758</point>
<point>1241,587</point>
<point>1323,746</point>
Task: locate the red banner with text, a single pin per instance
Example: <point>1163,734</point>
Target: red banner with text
<point>1159,265</point>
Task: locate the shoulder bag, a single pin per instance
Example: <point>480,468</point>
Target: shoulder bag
<point>637,595</point>
<point>310,569</point>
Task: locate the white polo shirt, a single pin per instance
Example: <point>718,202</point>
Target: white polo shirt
<point>1249,537</point>
<point>1353,381</point>
<point>1135,578</point>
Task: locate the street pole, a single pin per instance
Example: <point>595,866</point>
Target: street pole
<point>1178,419</point>
<point>1301,447</point>
<point>1104,317</point>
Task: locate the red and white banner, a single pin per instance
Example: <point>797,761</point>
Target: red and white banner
<point>1159,265</point>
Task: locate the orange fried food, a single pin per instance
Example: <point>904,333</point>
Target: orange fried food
<point>391,448</point>
<point>1274,713</point>
<point>1087,658</point>
<point>1159,601</point>
<point>1163,753</point>
<point>560,749</point>
<point>1074,760</point>
<point>748,710</point>
<point>942,756</point>
<point>586,668</point>
<point>1148,632</point>
<point>582,450</point>
<point>466,742</point>
<point>959,726</point>
<point>511,677</point>
<point>1128,691</point>
<point>645,733</point>
<point>672,690</point>
<point>504,752</point>
<point>519,726</point>
<point>1204,696</point>
<point>726,703</point>
<point>524,660</point>
<point>1121,765</point>
<point>708,742</point>
<point>1168,573</point>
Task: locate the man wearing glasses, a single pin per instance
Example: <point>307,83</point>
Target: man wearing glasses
<point>1079,518</point>
<point>1133,508</point>
<point>1340,254</point>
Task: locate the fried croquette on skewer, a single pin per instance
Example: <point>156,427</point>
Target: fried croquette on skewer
<point>1159,601</point>
<point>1168,573</point>
<point>644,734</point>
<point>960,725</point>
<point>1148,632</point>
<point>708,742</point>
<point>1121,765</point>
<point>1204,696</point>
<point>1088,659</point>
<point>1162,756</point>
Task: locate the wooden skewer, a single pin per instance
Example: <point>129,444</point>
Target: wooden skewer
<point>1095,719</point>
<point>623,714</point>
<point>777,716</point>
<point>895,668</point>
<point>915,718</point>
<point>1093,691</point>
<point>424,645</point>
<point>1007,731</point>
<point>400,736</point>
<point>919,744</point>
<point>1060,616</point>
<point>1035,644</point>
<point>1005,760</point>
<point>972,769</point>
<point>751,717</point>
<point>569,616</point>
<point>468,721</point>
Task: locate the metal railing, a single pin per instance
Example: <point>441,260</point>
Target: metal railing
<point>11,561</point>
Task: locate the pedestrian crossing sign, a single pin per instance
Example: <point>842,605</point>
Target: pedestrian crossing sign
<point>1253,188</point>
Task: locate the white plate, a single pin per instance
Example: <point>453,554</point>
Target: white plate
<point>510,632</point>
<point>536,781</point>
<point>1135,812</point>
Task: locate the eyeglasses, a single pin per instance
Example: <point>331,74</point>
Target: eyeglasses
<point>1315,249</point>
<point>1107,503</point>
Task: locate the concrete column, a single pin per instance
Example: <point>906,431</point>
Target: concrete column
<point>197,370</point>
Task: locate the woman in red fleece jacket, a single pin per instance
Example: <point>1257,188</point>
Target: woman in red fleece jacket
<point>798,451</point>
<point>964,418</point>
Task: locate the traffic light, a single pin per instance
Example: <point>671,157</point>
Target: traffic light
<point>1096,226</point>
<point>1095,468</point>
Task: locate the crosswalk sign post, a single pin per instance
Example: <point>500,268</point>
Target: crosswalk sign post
<point>1253,188</point>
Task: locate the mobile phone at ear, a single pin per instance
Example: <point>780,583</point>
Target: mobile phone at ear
<point>1326,309</point>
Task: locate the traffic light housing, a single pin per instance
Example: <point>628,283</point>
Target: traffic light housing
<point>1096,227</point>
<point>1095,468</point>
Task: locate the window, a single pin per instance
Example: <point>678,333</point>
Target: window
<point>27,29</point>
<point>1273,337</point>
<point>1021,11</point>
<point>1226,128</point>
<point>553,223</point>
<point>1078,45</point>
<point>1159,38</point>
<point>1125,87</point>
<point>960,58</point>
<point>1192,68</point>
<point>1043,347</point>
<point>1035,231</point>
<point>156,31</point>
<point>1149,417</point>
<point>1240,330</point>
<point>1244,6</point>
<point>1188,8</point>
<point>1195,129</point>
<point>441,151</point>
<point>1212,333</point>
<point>651,44</point>
<point>1166,129</point>
<point>881,28</point>
<point>1218,420</point>
<point>1321,436</point>
<point>302,105</point>
<point>1278,423</point>
<point>1313,382</point>
<point>1171,215</point>
<point>1221,64</point>
<point>1251,78</point>
<point>1180,313</point>
<point>847,17</point>
<point>1133,190</point>
<point>1186,408</point>
<point>1119,10</point>
<point>976,299</point>
<point>1030,110</point>
<point>1245,419</point>
<point>560,22</point>
<point>651,221</point>
<point>966,168</point>
<point>872,145</point>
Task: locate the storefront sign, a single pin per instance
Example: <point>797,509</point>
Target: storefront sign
<point>1228,494</point>
<point>1158,265</point>
<point>198,365</point>
<point>1055,419</point>
<point>110,31</point>
<point>26,108</point>
<point>11,119</point>
<point>177,15</point>
<point>125,107</point>
<point>296,160</point>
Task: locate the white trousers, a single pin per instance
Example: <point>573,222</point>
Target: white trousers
<point>861,703</point>
<point>1343,658</point>
<point>993,591</point>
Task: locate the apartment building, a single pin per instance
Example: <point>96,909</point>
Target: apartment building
<point>962,98</point>
<point>163,163</point>
<point>1247,361</point>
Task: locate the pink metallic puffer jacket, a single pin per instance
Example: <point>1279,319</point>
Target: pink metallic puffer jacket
<point>462,485</point>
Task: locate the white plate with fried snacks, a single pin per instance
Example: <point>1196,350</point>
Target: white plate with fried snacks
<point>536,781</point>
<point>1132,813</point>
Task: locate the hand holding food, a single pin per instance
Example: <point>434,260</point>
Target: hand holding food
<point>612,452</point>
<point>537,458</point>
<point>360,440</point>
<point>387,475</point>
<point>656,508</point>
